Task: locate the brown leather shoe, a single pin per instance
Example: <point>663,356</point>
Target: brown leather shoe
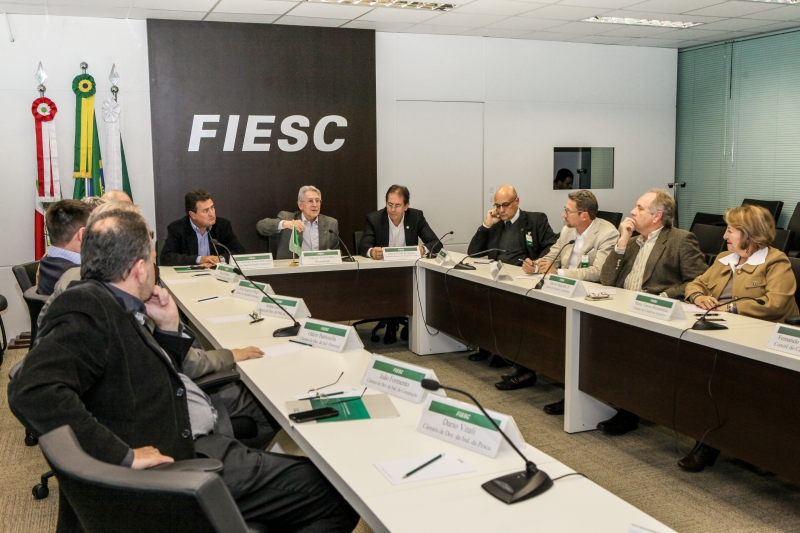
<point>700,457</point>
<point>517,383</point>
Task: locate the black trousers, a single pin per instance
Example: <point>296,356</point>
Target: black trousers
<point>284,492</point>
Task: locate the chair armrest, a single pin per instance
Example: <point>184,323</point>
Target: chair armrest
<point>217,379</point>
<point>192,465</point>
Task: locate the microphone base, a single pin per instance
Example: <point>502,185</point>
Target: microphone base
<point>464,266</point>
<point>704,325</point>
<point>348,260</point>
<point>519,486</point>
<point>289,331</point>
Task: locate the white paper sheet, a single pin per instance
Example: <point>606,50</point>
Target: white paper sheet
<point>533,277</point>
<point>283,349</point>
<point>209,299</point>
<point>232,318</point>
<point>691,308</point>
<point>449,465</point>
<point>179,281</point>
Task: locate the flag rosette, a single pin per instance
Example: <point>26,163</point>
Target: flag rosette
<point>83,86</point>
<point>44,109</point>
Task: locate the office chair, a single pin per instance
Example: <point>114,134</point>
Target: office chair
<point>710,240</point>
<point>795,320</point>
<point>773,206</point>
<point>708,219</point>
<point>183,496</point>
<point>783,238</point>
<point>614,218</point>
<point>4,344</point>
<point>794,225</point>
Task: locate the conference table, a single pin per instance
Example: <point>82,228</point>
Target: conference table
<point>346,452</point>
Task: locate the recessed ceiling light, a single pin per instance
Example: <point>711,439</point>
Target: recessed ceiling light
<point>778,1</point>
<point>642,22</point>
<point>406,4</point>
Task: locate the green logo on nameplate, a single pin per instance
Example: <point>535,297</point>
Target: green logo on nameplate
<point>339,332</point>
<point>398,371</point>
<point>250,285</point>
<point>654,301</point>
<point>559,279</point>
<point>285,303</point>
<point>265,257</point>
<point>321,254</point>
<point>462,415</point>
<point>789,331</point>
<point>225,268</point>
<point>402,249</point>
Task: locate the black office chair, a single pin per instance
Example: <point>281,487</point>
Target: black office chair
<point>795,320</point>
<point>4,345</point>
<point>773,206</point>
<point>357,241</point>
<point>159,247</point>
<point>184,496</point>
<point>614,218</point>
<point>708,219</point>
<point>794,225</point>
<point>710,240</point>
<point>782,240</point>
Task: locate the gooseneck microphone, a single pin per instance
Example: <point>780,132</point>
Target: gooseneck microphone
<point>288,331</point>
<point>511,488</point>
<point>704,325</point>
<point>461,265</point>
<point>541,281</point>
<point>349,258</point>
<point>431,253</point>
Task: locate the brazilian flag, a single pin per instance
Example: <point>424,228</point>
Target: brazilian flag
<point>88,170</point>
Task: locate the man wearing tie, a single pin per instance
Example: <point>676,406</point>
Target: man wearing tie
<point>318,232</point>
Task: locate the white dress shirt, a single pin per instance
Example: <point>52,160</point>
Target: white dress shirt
<point>577,250</point>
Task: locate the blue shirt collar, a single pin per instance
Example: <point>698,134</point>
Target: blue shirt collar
<point>72,257</point>
<point>197,230</point>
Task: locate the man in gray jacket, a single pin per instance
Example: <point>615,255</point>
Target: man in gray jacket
<point>317,231</point>
<point>662,260</point>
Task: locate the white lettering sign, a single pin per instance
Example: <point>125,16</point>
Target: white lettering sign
<point>249,291</point>
<point>225,273</point>
<point>248,262</point>
<point>401,253</point>
<point>563,286</point>
<point>498,272</point>
<point>323,257</point>
<point>329,336</point>
<point>295,306</point>
<point>398,379</point>
<point>785,339</point>
<point>656,307</point>
<point>443,258</point>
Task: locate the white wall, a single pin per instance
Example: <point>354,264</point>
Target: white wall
<point>458,116</point>
<point>61,43</point>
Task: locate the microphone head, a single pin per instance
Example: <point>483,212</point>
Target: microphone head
<point>760,301</point>
<point>571,242</point>
<point>430,384</point>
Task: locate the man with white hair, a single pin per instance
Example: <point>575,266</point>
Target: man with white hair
<point>317,231</point>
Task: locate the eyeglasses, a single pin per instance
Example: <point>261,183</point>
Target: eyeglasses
<point>567,211</point>
<point>256,317</point>
<point>394,206</point>
<point>505,205</point>
<point>316,391</point>
<point>313,201</point>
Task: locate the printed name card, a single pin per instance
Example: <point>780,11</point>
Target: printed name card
<point>656,307</point>
<point>225,273</point>
<point>330,336</point>
<point>785,339</point>
<point>247,262</point>
<point>443,258</point>
<point>249,290</point>
<point>187,270</point>
<point>498,272</point>
<point>401,253</point>
<point>295,306</point>
<point>398,378</point>
<point>563,286</point>
<point>464,425</point>
<point>323,257</point>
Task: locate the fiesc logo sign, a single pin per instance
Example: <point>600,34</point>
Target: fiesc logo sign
<point>298,141</point>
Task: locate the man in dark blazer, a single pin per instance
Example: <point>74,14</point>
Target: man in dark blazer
<point>397,224</point>
<point>662,260</point>
<point>189,238</point>
<point>524,235</point>
<point>317,231</point>
<point>65,220</point>
<point>99,367</point>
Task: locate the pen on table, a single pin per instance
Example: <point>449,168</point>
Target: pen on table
<point>709,314</point>
<point>198,275</point>
<point>206,299</point>
<point>423,466</point>
<point>327,395</point>
<point>298,342</point>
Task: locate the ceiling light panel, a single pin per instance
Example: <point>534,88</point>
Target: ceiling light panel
<point>642,22</point>
<point>402,4</point>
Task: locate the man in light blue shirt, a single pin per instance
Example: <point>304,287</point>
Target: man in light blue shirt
<point>66,221</point>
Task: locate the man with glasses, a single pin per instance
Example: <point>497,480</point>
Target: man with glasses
<point>318,232</point>
<point>521,234</point>
<point>581,250</point>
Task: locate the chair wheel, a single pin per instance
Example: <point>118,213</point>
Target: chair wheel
<point>30,440</point>
<point>40,492</point>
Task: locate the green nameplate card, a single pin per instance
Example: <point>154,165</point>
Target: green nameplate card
<point>247,290</point>
<point>225,273</point>
<point>443,258</point>
<point>187,270</point>
<point>329,335</point>
<point>324,257</point>
<point>563,286</point>
<point>498,272</point>
<point>398,378</point>
<point>656,307</point>
<point>785,339</point>
<point>295,306</point>
<point>251,262</point>
<point>401,253</point>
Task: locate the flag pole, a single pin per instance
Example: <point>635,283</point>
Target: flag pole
<point>294,262</point>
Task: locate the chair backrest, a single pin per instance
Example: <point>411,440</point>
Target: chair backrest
<point>783,238</point>
<point>794,225</point>
<point>796,269</point>
<point>710,239</point>
<point>708,219</point>
<point>773,206</point>
<point>108,497</point>
<point>35,302</point>
<point>26,274</point>
<point>159,247</point>
<point>610,216</point>
<point>357,240</point>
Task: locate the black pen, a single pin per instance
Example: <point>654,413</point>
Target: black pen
<point>206,299</point>
<point>709,314</point>
<point>423,466</point>
<point>198,275</point>
<point>298,342</point>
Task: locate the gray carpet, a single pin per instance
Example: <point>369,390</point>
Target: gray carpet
<point>639,467</point>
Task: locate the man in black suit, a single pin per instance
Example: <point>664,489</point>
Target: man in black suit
<point>66,221</point>
<point>396,225</point>
<point>189,238</point>
<point>108,362</point>
<point>522,234</point>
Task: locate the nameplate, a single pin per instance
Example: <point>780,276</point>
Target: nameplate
<point>187,270</point>
<point>464,425</point>
<point>785,339</point>
<point>398,378</point>
<point>247,290</point>
<point>323,257</point>
<point>254,261</point>
<point>225,273</point>
<point>656,307</point>
<point>443,258</point>
<point>401,253</point>
<point>329,336</point>
<point>498,272</point>
<point>295,306</point>
<point>563,286</point>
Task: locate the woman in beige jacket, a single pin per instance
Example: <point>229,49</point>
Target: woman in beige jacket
<point>750,268</point>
